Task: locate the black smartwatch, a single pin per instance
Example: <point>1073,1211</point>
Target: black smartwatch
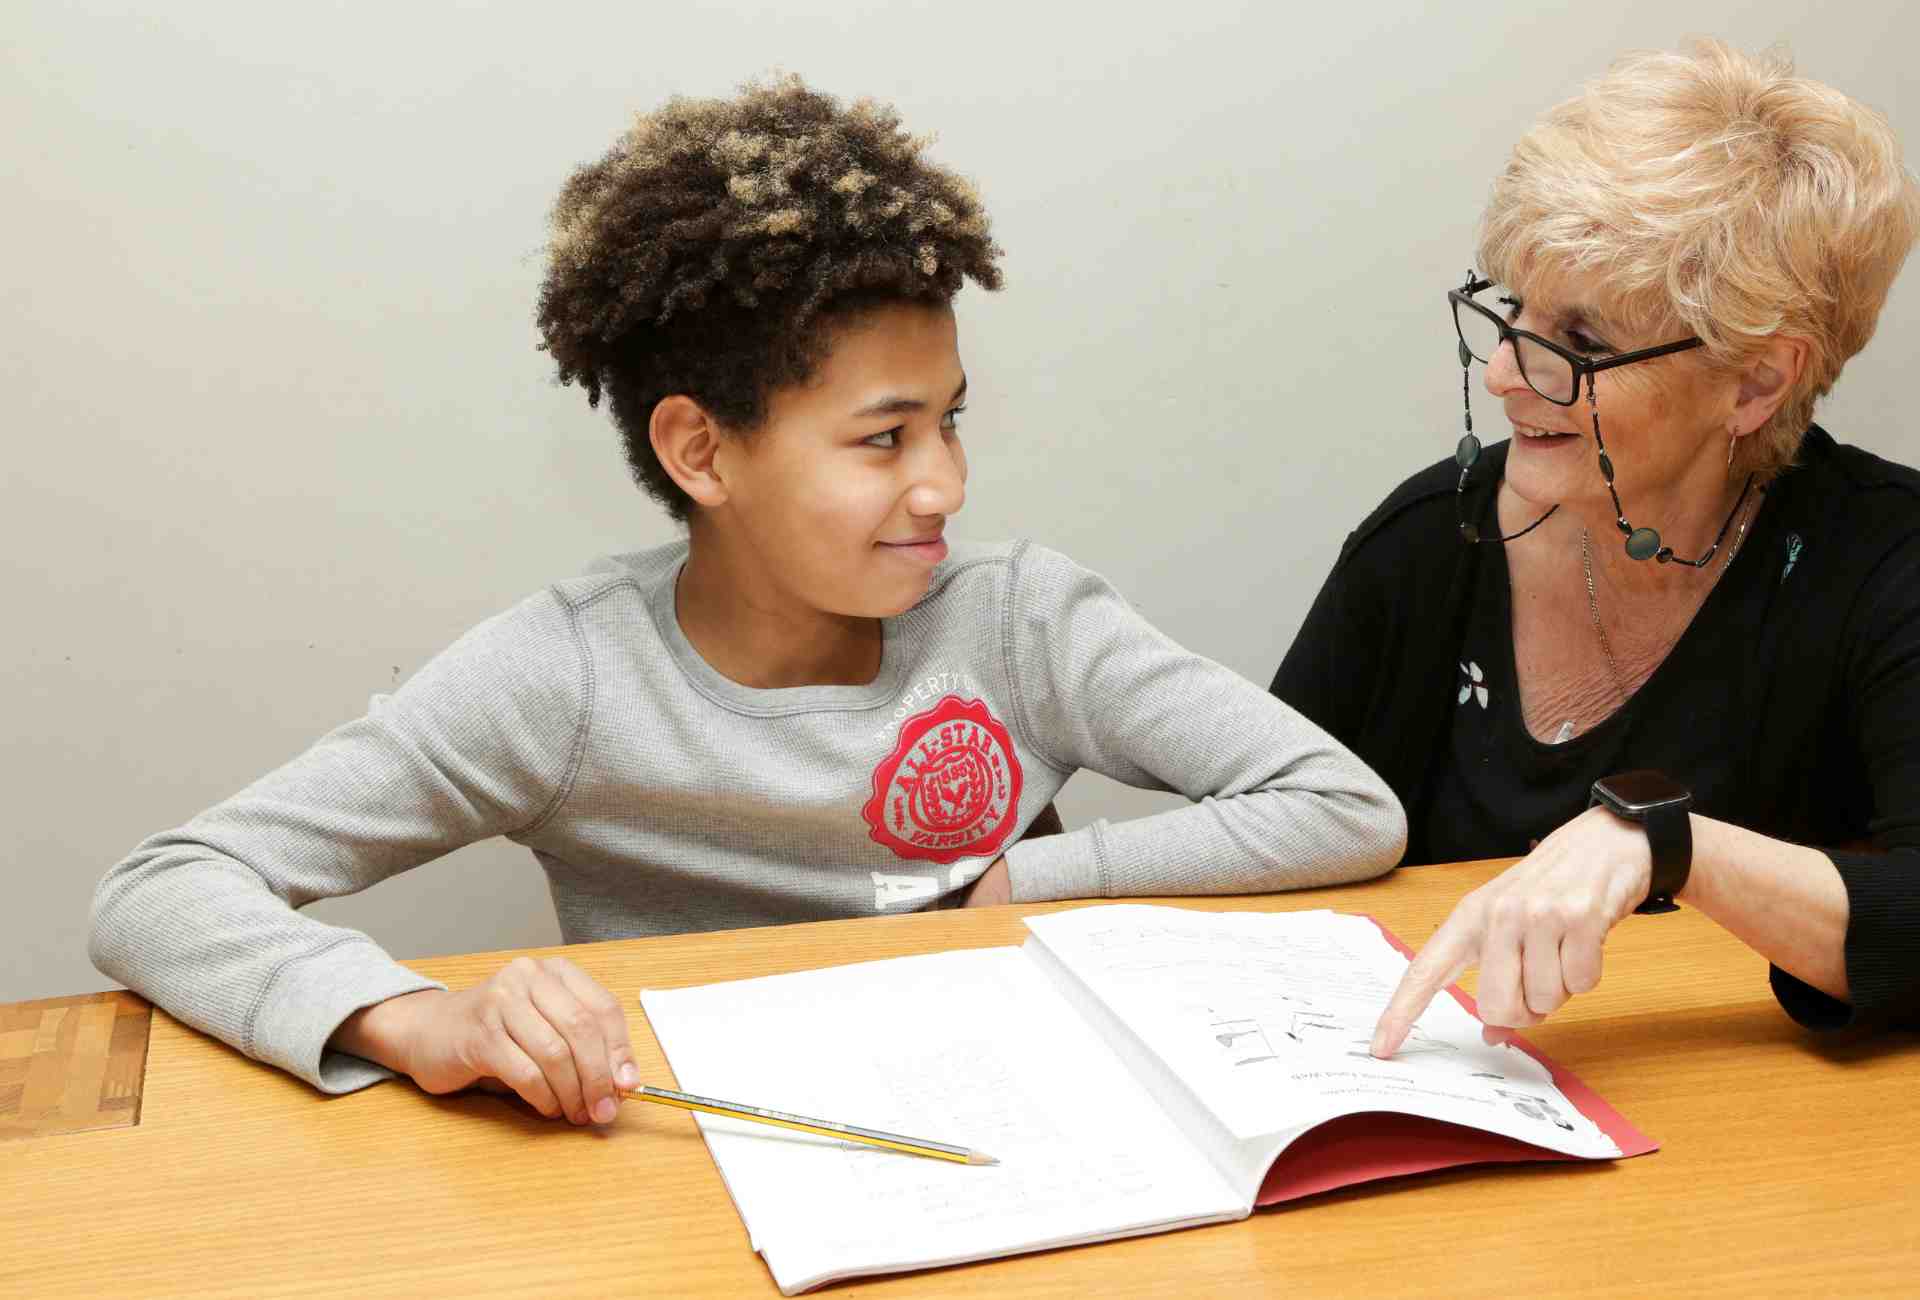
<point>1659,804</point>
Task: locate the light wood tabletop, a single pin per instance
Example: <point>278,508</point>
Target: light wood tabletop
<point>1789,1164</point>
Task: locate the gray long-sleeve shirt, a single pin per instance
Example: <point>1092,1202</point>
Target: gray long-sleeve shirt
<point>662,797</point>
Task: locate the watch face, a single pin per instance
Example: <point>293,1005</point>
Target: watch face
<point>1642,789</point>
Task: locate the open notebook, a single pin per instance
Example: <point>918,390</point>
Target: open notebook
<point>1135,1069</point>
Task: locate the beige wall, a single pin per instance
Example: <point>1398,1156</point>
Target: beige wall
<point>275,430</point>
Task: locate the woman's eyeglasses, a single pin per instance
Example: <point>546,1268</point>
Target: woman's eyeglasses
<point>1549,369</point>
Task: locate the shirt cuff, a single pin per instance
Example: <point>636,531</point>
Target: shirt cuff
<point>308,999</point>
<point>1883,935</point>
<point>1807,1004</point>
<point>1054,867</point>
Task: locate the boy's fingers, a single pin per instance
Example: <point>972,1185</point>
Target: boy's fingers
<point>613,1021</point>
<point>623,1072</point>
<point>548,1049</point>
<point>517,1073</point>
<point>580,1027</point>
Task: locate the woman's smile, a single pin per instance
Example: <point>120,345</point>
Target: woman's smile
<point>1535,439</point>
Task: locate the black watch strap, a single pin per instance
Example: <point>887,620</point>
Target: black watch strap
<point>1660,806</point>
<point>1670,837</point>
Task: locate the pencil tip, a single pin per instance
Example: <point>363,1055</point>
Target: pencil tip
<point>980,1158</point>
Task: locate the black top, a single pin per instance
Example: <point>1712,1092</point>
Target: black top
<point>1500,791</point>
<point>1791,705</point>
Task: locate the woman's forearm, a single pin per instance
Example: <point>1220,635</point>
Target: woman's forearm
<point>1785,901</point>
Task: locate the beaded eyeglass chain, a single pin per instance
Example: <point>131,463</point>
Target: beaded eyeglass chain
<point>1465,453</point>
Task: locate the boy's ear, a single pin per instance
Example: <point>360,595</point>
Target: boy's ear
<point>686,439</point>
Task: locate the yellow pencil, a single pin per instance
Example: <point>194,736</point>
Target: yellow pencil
<point>825,1128</point>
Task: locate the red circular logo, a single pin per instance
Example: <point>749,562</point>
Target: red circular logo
<point>951,787</point>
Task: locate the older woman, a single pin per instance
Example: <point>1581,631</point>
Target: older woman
<point>1666,640</point>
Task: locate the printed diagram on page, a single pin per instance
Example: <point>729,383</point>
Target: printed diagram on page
<point>1246,1040</point>
<point>1272,1001</point>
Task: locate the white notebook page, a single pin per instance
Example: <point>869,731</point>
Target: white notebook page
<point>972,1048</point>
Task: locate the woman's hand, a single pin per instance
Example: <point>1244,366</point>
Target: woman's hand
<point>993,888</point>
<point>543,1029</point>
<point>1535,931</point>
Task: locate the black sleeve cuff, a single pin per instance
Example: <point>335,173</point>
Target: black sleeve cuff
<point>1882,948</point>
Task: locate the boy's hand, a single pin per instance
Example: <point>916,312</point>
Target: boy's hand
<point>993,888</point>
<point>544,1029</point>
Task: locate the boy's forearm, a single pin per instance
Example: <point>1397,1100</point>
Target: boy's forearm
<point>382,1032</point>
<point>165,923</point>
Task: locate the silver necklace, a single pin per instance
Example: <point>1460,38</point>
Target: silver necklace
<point>1593,602</point>
<point>1593,608</point>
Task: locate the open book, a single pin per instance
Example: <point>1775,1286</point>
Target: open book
<point>1134,1069</point>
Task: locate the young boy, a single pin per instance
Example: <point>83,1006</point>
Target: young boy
<point>815,706</point>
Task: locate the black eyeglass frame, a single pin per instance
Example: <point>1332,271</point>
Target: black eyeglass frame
<point>1583,367</point>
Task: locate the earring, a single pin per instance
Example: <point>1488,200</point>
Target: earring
<point>1733,441</point>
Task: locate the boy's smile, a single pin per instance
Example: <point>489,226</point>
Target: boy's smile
<point>922,550</point>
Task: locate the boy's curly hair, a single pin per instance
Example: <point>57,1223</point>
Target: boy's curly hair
<point>709,252</point>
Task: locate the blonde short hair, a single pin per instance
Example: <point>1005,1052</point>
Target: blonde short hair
<point>1715,193</point>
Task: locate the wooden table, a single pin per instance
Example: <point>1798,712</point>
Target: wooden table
<point>1790,1165</point>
